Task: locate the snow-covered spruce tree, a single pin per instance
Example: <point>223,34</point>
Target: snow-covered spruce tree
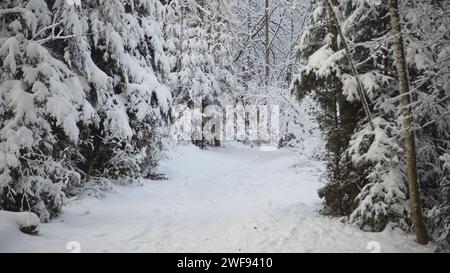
<point>439,215</point>
<point>425,41</point>
<point>366,181</point>
<point>321,75</point>
<point>198,43</point>
<point>125,69</point>
<point>41,104</point>
<point>408,134</point>
<point>427,54</point>
<point>81,97</point>
<point>222,50</point>
<point>376,154</point>
<point>377,157</point>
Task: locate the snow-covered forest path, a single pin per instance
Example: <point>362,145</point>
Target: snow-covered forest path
<point>233,199</point>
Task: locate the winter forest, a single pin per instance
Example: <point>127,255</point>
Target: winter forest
<point>224,126</point>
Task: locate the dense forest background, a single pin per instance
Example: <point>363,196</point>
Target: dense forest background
<point>87,93</point>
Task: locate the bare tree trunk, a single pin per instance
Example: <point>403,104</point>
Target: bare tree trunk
<point>291,50</point>
<point>409,141</point>
<point>249,47</point>
<point>267,41</point>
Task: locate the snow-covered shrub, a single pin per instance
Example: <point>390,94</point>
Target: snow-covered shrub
<point>27,222</point>
<point>439,215</point>
<point>383,195</point>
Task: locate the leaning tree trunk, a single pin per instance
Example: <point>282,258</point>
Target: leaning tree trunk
<point>409,141</point>
<point>337,30</point>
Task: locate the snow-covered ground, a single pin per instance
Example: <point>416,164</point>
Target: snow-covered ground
<point>233,199</point>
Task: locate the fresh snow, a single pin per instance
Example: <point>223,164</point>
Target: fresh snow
<point>12,222</point>
<point>232,199</point>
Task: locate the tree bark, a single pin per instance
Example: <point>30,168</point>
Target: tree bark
<point>409,138</point>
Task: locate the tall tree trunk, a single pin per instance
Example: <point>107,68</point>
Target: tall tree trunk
<point>409,141</point>
<point>248,74</point>
<point>267,41</point>
<point>291,50</point>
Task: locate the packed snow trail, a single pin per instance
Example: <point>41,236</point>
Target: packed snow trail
<point>233,199</point>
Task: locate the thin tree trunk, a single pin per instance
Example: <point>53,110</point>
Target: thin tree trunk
<point>409,141</point>
<point>360,89</point>
<point>347,112</point>
<point>291,50</point>
<point>267,41</point>
<point>249,46</point>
